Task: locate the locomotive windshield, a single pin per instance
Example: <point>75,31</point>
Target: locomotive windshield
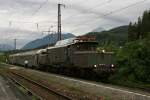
<point>86,46</point>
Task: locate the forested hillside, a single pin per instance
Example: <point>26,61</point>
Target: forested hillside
<point>133,59</point>
<point>45,41</point>
<point>5,47</point>
<point>140,29</point>
<point>117,36</point>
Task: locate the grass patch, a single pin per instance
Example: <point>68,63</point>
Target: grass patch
<point>134,85</point>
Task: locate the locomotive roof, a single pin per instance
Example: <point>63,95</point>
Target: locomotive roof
<point>60,43</point>
<point>69,41</point>
<point>65,42</point>
<point>29,52</point>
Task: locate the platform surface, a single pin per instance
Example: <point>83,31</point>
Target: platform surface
<point>5,92</point>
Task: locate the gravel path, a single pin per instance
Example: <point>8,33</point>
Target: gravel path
<point>109,92</point>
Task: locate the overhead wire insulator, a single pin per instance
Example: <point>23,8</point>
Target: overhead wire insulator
<point>37,26</point>
<point>10,23</point>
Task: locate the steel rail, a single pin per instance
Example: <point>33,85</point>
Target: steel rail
<point>43,86</point>
<point>14,81</point>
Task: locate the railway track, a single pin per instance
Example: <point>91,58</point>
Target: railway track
<point>41,91</point>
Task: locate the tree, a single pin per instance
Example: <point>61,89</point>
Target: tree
<point>130,32</point>
<point>140,29</point>
<point>134,61</point>
<point>146,23</point>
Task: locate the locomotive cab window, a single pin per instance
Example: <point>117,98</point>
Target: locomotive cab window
<point>86,46</point>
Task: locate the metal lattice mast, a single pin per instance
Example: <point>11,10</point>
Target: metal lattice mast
<point>15,44</point>
<point>59,21</point>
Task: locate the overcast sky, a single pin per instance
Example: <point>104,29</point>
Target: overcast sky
<point>18,18</point>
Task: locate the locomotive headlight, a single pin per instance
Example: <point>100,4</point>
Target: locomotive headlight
<point>95,66</point>
<point>112,65</point>
<point>103,51</point>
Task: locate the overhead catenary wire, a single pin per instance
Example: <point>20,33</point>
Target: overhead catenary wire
<point>27,22</point>
<point>41,5</point>
<point>34,13</point>
<point>47,21</point>
<point>109,13</point>
<point>37,23</point>
<point>86,23</point>
<point>89,9</point>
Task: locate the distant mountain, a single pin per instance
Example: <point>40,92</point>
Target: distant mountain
<point>100,29</point>
<point>49,39</point>
<point>5,47</point>
<point>117,35</point>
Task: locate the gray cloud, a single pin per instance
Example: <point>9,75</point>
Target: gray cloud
<point>79,16</point>
<point>22,36</point>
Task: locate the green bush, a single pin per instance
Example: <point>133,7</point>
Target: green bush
<point>134,62</point>
<point>2,57</point>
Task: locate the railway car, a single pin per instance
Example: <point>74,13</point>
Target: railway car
<point>72,56</point>
<point>20,58</point>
